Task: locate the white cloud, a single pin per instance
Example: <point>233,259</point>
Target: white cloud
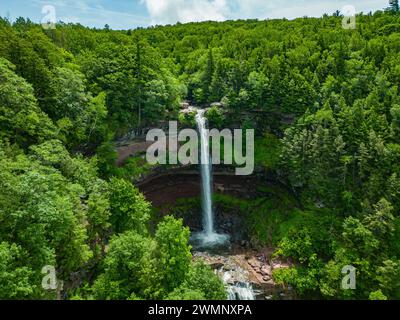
<point>172,11</point>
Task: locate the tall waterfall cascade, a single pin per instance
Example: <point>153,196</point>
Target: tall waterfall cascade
<point>206,171</point>
<point>208,237</point>
<point>237,286</point>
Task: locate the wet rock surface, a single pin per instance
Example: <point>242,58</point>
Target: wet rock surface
<point>254,268</point>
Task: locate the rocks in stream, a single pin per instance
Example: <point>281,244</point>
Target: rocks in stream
<point>248,268</point>
<point>216,265</point>
<point>262,267</point>
<point>266,270</point>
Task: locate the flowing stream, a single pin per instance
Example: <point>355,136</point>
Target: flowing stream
<point>241,291</point>
<point>238,288</point>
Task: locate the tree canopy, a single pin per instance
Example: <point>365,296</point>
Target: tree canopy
<point>328,96</point>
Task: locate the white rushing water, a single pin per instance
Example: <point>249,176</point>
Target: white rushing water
<point>206,168</point>
<point>209,236</point>
<point>241,291</point>
<point>238,290</point>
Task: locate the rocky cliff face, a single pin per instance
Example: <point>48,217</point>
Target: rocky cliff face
<point>167,185</point>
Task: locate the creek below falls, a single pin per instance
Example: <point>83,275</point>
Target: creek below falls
<point>218,237</point>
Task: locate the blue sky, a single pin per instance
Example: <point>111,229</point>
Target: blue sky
<point>127,14</point>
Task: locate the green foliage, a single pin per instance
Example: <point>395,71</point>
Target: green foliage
<point>186,294</point>
<point>267,151</point>
<point>377,295</point>
<point>21,120</point>
<point>134,169</point>
<point>208,285</point>
<point>332,95</point>
<point>107,158</point>
<point>123,267</point>
<point>129,209</point>
<point>173,251</point>
<point>267,218</point>
<point>201,276</point>
<point>215,116</point>
<point>187,119</point>
<point>15,278</point>
<point>160,267</point>
<point>43,213</point>
<point>362,244</point>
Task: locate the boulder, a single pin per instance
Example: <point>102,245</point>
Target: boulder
<point>266,270</point>
<point>216,265</point>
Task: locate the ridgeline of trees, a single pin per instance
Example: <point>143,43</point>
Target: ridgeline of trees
<point>67,93</point>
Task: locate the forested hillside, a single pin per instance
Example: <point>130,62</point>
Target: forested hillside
<point>330,95</point>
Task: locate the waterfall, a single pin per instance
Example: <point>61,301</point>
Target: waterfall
<point>206,171</point>
<point>209,237</point>
<point>237,285</point>
<point>241,291</point>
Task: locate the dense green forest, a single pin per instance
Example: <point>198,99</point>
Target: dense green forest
<point>326,99</point>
